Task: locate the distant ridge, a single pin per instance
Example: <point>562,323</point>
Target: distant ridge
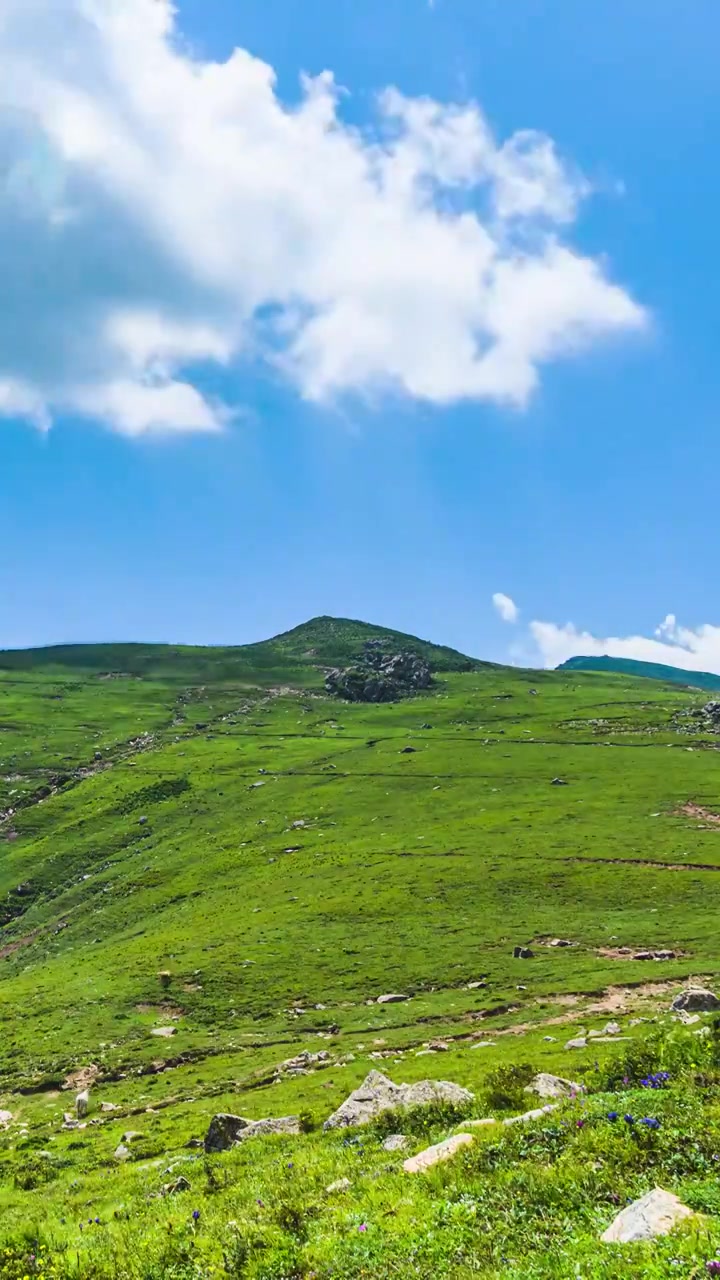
<point>647,670</point>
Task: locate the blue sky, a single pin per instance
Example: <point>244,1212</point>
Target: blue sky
<point>197,485</point>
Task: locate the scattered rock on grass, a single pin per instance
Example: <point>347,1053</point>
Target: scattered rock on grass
<point>121,1152</point>
<point>395,1142</point>
<point>578,1043</point>
<point>437,1153</point>
<point>536,1114</point>
<point>164,1032</point>
<point>522,953</point>
<point>377,1094</point>
<point>226,1131</point>
<point>696,1000</point>
<point>5,1118</point>
<point>342,1184</point>
<point>548,1086</point>
<point>392,998</point>
<point>174,1188</point>
<point>655,1214</point>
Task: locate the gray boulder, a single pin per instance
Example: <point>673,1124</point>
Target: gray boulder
<point>392,998</point>
<point>655,1214</point>
<point>226,1131</point>
<point>696,1000</point>
<point>377,1094</point>
<point>547,1086</point>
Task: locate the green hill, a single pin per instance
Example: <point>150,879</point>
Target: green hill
<point>209,847</point>
<point>644,670</point>
<point>296,656</point>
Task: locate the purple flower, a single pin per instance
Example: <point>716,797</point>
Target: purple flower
<point>260,1202</point>
<point>650,1122</point>
<point>628,1118</point>
<point>612,1115</point>
<point>713,1267</point>
<point>97,1221</point>
<point>196,1215</point>
<point>579,1123</point>
<point>363,1226</point>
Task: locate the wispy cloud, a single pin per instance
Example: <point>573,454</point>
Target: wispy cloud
<point>159,213</point>
<point>506,607</point>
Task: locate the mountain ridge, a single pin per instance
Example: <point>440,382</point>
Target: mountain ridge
<point>643,670</point>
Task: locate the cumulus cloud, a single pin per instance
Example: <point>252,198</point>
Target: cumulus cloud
<point>160,214</point>
<point>672,644</point>
<point>506,607</point>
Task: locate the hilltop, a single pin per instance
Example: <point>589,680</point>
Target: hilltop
<point>210,867</point>
<point>296,656</point>
<point>645,671</point>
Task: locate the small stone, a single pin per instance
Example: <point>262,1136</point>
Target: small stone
<point>164,1032</point>
<point>483,1044</point>
<point>558,782</point>
<point>392,998</point>
<point>396,1142</point>
<point>522,953</point>
<point>5,1118</point>
<point>612,1029</point>
<point>559,942</point>
<point>342,1184</point>
<point>174,1188</point>
<point>579,1042</point>
<point>475,986</point>
<point>654,1214</point>
<point>121,1152</point>
<point>108,1106</point>
<point>437,1153</point>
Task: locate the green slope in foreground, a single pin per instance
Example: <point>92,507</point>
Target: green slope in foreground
<point>287,859</point>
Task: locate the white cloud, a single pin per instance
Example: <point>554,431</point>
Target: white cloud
<point>672,645</point>
<point>159,213</point>
<point>506,607</point>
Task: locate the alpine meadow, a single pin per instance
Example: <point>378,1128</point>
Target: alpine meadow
<point>229,895</point>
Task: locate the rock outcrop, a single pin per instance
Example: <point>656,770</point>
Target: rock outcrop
<point>380,676</point>
<point>377,1094</point>
<point>227,1130</point>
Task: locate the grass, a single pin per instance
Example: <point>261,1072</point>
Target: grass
<point>137,841</point>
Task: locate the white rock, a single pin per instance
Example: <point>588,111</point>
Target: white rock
<point>537,1114</point>
<point>392,998</point>
<point>5,1118</point>
<point>121,1152</point>
<point>436,1154</point>
<point>655,1214</point>
<point>165,1032</point>
<point>342,1184</point>
<point>579,1043</point>
<point>483,1044</point>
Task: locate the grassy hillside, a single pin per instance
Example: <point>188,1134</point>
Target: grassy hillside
<point>644,670</point>
<point>286,859</point>
<point>296,656</point>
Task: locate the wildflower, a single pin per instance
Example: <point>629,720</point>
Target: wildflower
<point>628,1118</point>
<point>260,1202</point>
<point>97,1221</point>
<point>612,1115</point>
<point>363,1226</point>
<point>196,1215</point>
<point>650,1122</point>
<point>713,1267</point>
<point>579,1123</point>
